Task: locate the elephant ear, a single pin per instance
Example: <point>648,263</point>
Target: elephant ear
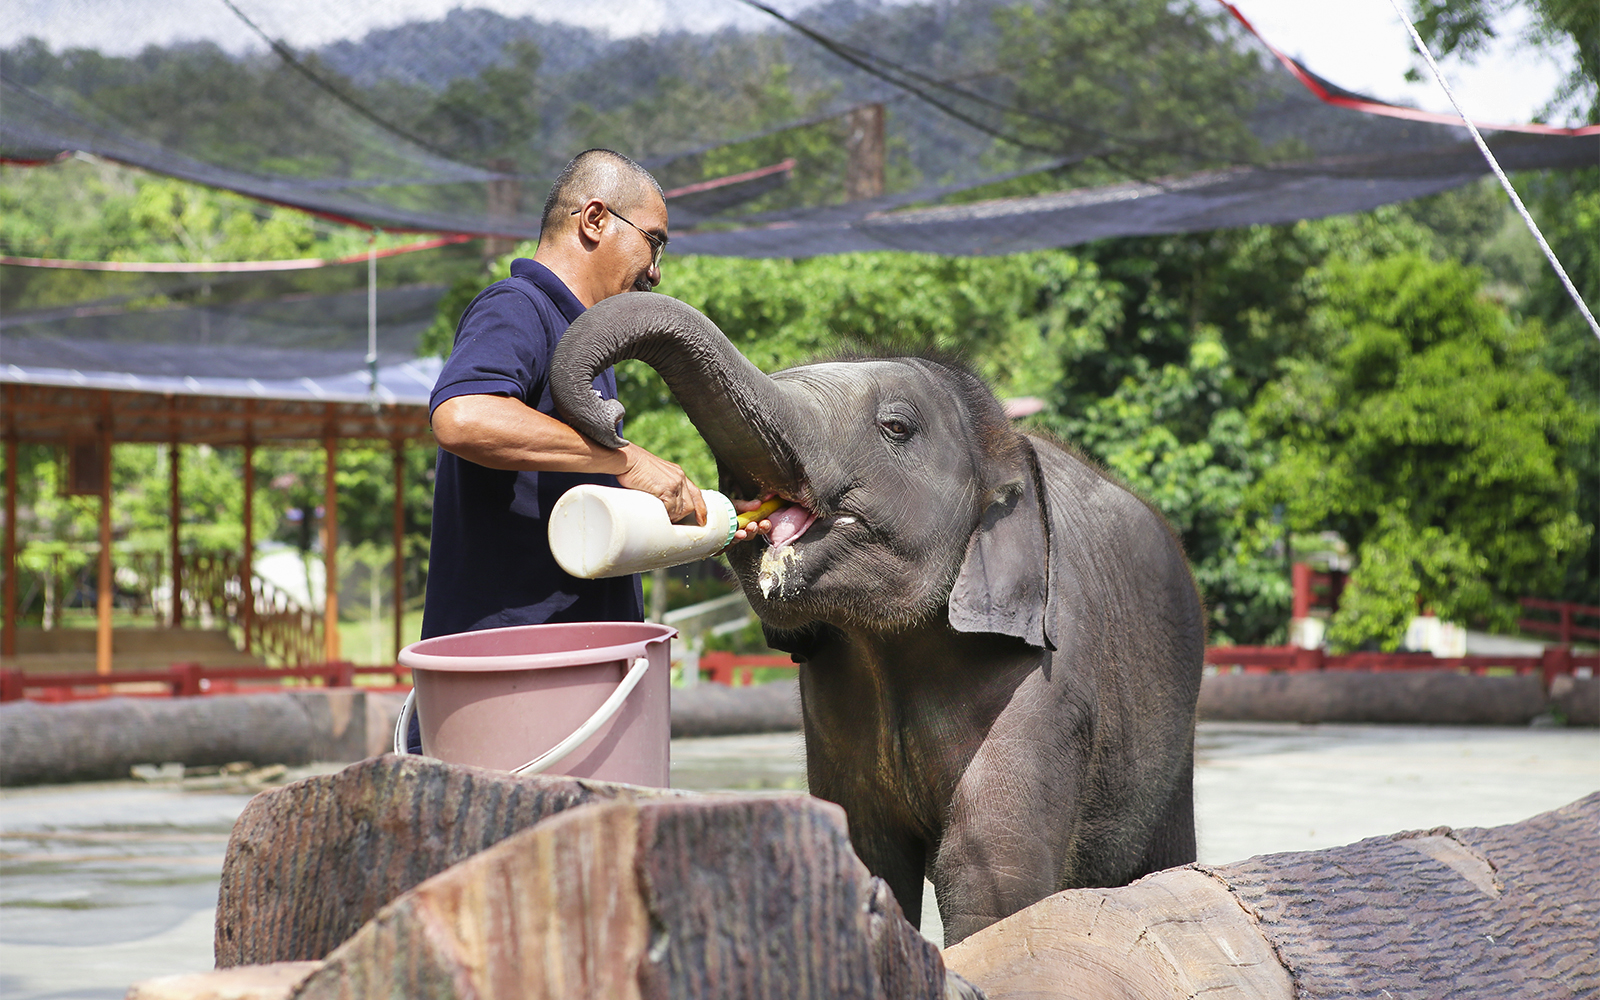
<point>1004,585</point>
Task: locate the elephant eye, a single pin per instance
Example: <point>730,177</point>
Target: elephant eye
<point>897,430</point>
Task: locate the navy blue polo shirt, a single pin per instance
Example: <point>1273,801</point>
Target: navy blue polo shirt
<point>489,563</point>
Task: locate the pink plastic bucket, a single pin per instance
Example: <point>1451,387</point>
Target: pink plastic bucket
<point>504,697</point>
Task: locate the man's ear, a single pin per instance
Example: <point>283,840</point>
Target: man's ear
<point>591,220</point>
<point>1004,583</point>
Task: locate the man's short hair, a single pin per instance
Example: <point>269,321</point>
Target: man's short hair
<point>595,173</point>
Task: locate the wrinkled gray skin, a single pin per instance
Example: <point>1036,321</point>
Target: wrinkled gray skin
<point>999,657</point>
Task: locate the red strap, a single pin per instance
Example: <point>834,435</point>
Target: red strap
<point>1373,107</point>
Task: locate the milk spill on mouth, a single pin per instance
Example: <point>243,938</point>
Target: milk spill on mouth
<point>788,525</point>
<point>775,565</point>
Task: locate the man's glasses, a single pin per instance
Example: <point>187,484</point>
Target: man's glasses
<point>658,244</point>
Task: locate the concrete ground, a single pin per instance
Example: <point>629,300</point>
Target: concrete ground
<point>102,885</point>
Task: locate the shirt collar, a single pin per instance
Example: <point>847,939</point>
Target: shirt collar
<point>546,281</point>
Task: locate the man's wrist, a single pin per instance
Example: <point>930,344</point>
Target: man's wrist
<point>618,461</point>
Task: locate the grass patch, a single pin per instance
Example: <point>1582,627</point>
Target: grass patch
<point>54,904</point>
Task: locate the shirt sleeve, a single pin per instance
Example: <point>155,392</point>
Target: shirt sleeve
<point>500,349</point>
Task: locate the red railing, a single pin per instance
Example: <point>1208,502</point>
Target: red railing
<point>182,680</point>
<point>1564,630</point>
<point>728,668</point>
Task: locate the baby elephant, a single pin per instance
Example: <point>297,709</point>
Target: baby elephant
<point>1000,648</point>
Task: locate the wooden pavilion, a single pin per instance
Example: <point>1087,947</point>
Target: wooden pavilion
<point>89,414</point>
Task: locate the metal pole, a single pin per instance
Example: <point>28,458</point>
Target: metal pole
<point>330,552</point>
<point>372,313</point>
<point>399,540</point>
<point>174,518</point>
<point>247,588</point>
<point>102,645</point>
<point>8,640</point>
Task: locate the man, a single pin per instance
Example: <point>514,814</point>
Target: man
<point>505,457</point>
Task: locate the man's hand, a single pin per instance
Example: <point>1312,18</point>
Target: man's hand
<point>666,482</point>
<point>754,529</point>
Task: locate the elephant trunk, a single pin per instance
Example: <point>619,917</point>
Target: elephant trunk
<point>742,414</point>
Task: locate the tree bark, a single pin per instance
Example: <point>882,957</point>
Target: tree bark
<point>1468,913</point>
<point>412,877</point>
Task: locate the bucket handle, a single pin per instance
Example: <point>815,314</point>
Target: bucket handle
<point>559,752</point>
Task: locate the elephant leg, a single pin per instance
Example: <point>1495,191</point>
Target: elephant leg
<point>1172,842</point>
<point>888,849</point>
<point>991,862</point>
<point>897,859</point>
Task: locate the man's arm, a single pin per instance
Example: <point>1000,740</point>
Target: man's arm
<point>500,432</point>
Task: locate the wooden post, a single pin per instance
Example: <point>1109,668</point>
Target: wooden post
<point>504,201</point>
<point>247,587</point>
<point>864,144</point>
<point>175,517</point>
<point>330,551</point>
<point>1300,581</point>
<point>8,639</point>
<point>102,644</point>
<point>399,541</point>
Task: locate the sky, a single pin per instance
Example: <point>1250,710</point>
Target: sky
<point>1359,44</point>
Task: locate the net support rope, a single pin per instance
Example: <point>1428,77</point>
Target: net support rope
<point>1505,182</point>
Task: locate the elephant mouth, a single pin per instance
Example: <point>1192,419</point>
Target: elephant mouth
<point>789,523</point>
<point>792,556</point>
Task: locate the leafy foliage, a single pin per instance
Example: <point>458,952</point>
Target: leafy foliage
<point>1346,374</point>
<point>1426,433</point>
<point>1135,85</point>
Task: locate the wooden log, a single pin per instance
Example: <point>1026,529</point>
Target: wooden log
<point>93,740</point>
<point>1177,933</point>
<point>718,710</point>
<point>1469,913</point>
<point>247,982</point>
<point>757,898</point>
<point>309,863</point>
<point>1577,699</point>
<point>100,739</point>
<point>1434,697</point>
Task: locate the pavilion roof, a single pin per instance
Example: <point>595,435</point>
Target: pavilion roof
<point>281,368</point>
<point>56,406</point>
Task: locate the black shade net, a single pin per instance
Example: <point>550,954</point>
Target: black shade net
<point>313,336</point>
<point>965,127</point>
<point>947,126</point>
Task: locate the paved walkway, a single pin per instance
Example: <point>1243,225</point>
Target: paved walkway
<point>106,884</point>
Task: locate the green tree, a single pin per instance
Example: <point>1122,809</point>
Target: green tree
<point>493,114</point>
<point>1567,207</point>
<point>1464,28</point>
<point>1123,89</point>
<point>1426,432</point>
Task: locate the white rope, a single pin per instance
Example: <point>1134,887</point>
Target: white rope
<point>1494,164</point>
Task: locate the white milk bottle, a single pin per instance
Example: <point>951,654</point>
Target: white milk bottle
<point>601,531</point>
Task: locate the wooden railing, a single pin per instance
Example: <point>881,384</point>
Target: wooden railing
<point>727,668</point>
<point>184,680</point>
<point>278,628</point>
<point>735,669</point>
<point>282,630</point>
<point>1564,629</point>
